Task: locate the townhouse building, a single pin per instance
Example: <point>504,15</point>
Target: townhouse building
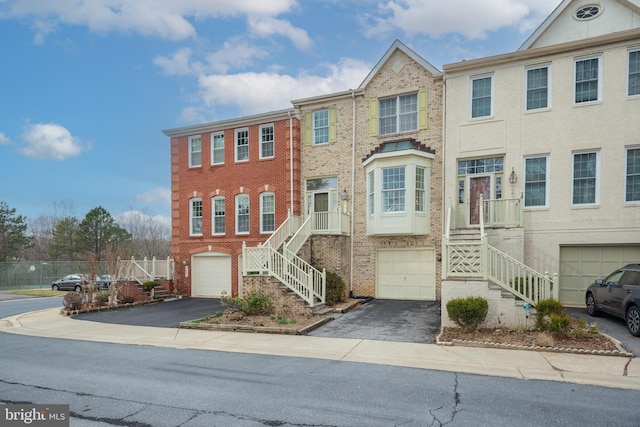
<point>543,150</point>
<point>232,182</point>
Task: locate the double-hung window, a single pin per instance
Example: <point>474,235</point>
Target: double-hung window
<point>588,76</point>
<point>634,73</point>
<point>320,127</point>
<point>266,141</point>
<point>217,148</point>
<point>195,217</point>
<point>242,214</point>
<point>267,213</point>
<point>219,214</point>
<point>536,181</point>
<point>398,114</point>
<point>242,144</point>
<point>585,178</point>
<point>393,189</point>
<point>538,88</point>
<point>195,151</point>
<point>482,96</point>
<point>372,193</point>
<point>420,190</point>
<point>632,182</point>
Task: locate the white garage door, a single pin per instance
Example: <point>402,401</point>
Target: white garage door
<point>581,265</point>
<point>210,274</point>
<point>408,274</point>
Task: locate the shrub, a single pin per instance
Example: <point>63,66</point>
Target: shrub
<point>253,304</point>
<point>468,313</point>
<point>544,309</point>
<point>559,324</point>
<point>147,286</point>
<point>335,288</point>
<point>73,300</point>
<point>126,299</point>
<point>101,299</point>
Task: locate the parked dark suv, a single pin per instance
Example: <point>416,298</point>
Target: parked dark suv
<point>619,295</point>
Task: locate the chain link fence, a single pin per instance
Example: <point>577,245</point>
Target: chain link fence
<point>40,274</point>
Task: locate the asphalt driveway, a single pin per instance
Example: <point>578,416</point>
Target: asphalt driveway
<point>384,320</point>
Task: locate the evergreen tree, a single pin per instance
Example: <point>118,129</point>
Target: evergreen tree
<point>13,233</point>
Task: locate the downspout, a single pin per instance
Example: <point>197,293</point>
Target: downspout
<point>290,163</point>
<point>353,180</point>
<point>444,251</point>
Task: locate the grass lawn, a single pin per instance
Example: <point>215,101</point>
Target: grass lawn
<point>36,292</point>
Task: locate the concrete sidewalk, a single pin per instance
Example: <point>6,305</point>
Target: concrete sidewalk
<point>608,371</point>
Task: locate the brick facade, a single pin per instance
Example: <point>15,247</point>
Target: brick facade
<point>399,74</point>
<point>230,179</point>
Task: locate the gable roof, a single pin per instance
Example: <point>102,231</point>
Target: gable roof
<point>398,45</point>
<point>633,5</point>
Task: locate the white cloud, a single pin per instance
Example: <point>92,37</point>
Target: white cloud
<point>51,141</point>
<point>265,26</point>
<point>4,139</point>
<point>161,195</point>
<point>471,18</point>
<point>272,91</point>
<point>160,18</point>
<point>178,63</point>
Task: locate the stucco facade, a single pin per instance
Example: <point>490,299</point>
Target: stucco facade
<point>573,158</point>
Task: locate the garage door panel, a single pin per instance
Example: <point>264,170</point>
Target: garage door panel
<point>211,275</point>
<point>405,274</point>
<point>581,265</point>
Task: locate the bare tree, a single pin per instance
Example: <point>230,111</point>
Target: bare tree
<point>150,236</point>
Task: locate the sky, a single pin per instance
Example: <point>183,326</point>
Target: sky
<point>87,86</point>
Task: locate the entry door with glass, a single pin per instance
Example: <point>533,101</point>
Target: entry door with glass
<point>479,186</point>
<point>322,198</point>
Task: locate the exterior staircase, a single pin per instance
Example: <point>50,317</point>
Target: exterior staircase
<point>278,258</point>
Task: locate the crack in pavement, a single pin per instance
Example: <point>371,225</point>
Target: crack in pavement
<point>455,409</point>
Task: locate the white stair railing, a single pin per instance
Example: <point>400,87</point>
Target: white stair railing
<point>481,260</point>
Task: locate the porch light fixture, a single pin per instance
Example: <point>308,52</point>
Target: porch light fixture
<point>513,178</point>
<point>185,262</point>
<point>345,196</point>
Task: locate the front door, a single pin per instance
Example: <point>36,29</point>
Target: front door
<point>478,186</point>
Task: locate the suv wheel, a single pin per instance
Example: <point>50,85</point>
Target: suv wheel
<point>633,320</point>
<point>592,308</point>
<point>55,287</point>
<point>78,288</point>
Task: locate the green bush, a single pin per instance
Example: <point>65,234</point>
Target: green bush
<point>73,300</point>
<point>544,309</point>
<point>468,313</point>
<point>147,286</point>
<point>335,288</point>
<point>559,324</point>
<point>253,304</point>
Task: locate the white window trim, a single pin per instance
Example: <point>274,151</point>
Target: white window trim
<point>191,201</point>
<point>406,189</point>
<point>549,91</point>
<point>629,51</point>
<point>262,195</point>
<point>237,214</point>
<point>273,131</point>
<point>212,148</point>
<point>213,215</point>
<point>397,129</point>
<point>371,193</point>
<point>597,192</point>
<point>480,77</point>
<point>547,187</point>
<point>600,82</point>
<point>191,138</point>
<point>235,145</point>
<point>313,128</point>
<point>624,175</point>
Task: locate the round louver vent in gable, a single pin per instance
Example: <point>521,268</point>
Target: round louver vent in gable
<point>587,12</point>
